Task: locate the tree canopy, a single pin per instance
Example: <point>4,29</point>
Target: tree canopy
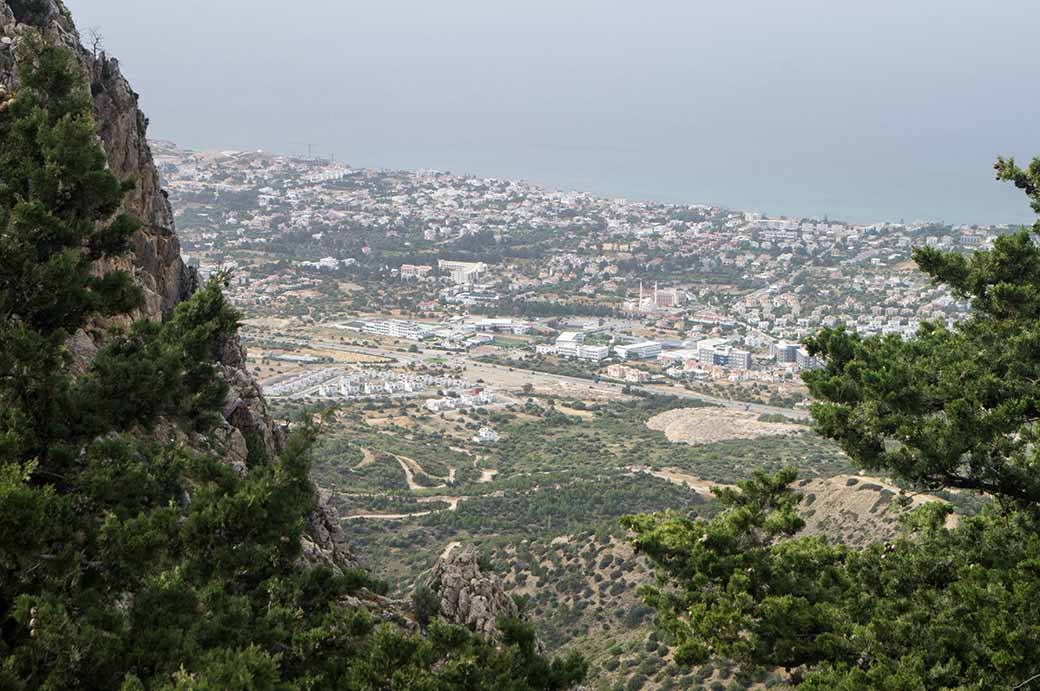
<point>128,563</point>
<point>941,606</point>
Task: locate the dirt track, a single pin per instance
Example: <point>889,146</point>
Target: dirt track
<point>367,458</point>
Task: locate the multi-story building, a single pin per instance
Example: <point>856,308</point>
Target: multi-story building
<point>395,328</point>
<point>571,344</point>
<point>503,325</point>
<point>718,352</point>
<point>668,297</point>
<point>568,343</point>
<point>806,361</point>
<point>738,359</point>
<point>463,273</point>
<point>628,374</point>
<point>638,351</point>
<point>784,351</point>
<point>593,353</point>
<point>709,351</point>
<point>413,271</point>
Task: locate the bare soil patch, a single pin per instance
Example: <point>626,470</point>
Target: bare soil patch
<point>709,425</point>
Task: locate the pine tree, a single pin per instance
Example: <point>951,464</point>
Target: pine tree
<point>938,607</point>
<point>129,564</point>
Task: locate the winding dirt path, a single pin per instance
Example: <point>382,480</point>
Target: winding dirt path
<point>368,458</point>
<point>387,516</point>
<point>411,468</point>
<point>452,502</point>
<point>677,477</point>
<point>409,472</point>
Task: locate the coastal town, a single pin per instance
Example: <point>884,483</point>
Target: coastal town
<point>508,274</point>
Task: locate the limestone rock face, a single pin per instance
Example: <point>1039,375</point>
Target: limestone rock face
<point>469,596</point>
<point>324,542</point>
<point>155,260</point>
<point>246,408</point>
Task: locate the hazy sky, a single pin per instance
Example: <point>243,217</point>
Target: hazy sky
<point>867,110</point>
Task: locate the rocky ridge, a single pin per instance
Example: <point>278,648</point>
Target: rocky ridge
<point>469,596</point>
<point>155,261</point>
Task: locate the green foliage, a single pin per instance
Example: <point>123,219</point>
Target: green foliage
<point>571,507</point>
<point>934,609</point>
<point>425,604</point>
<point>125,563</point>
<point>723,555</point>
<point>951,407</point>
<point>938,607</point>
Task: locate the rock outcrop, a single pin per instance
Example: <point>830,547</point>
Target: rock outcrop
<point>468,595</point>
<point>324,542</point>
<point>248,430</point>
<point>156,261</point>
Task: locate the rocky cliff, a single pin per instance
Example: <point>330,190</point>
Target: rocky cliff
<point>468,595</point>
<point>156,261</point>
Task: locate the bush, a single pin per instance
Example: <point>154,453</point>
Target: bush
<point>426,605</point>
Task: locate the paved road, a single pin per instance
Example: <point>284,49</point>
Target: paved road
<point>476,368</point>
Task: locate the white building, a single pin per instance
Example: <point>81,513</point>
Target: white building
<point>479,398</point>
<point>571,344</point>
<point>500,325</point>
<point>436,405</point>
<point>415,271</point>
<point>463,273</point>
<point>568,343</point>
<point>478,340</point>
<point>486,435</point>
<point>593,353</point>
<point>328,263</point>
<point>718,352</point>
<point>395,328</point>
<point>638,351</point>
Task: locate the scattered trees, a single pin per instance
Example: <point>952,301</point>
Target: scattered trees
<point>939,607</point>
<point>126,563</point>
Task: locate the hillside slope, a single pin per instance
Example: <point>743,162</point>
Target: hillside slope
<point>156,261</point>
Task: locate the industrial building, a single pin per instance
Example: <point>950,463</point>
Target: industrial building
<point>638,351</point>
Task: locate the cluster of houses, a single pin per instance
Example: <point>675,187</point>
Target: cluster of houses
<point>474,398</point>
<point>454,334</point>
<point>336,383</point>
<point>360,384</point>
<point>627,374</point>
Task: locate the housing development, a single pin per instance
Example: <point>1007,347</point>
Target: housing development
<point>511,274</point>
